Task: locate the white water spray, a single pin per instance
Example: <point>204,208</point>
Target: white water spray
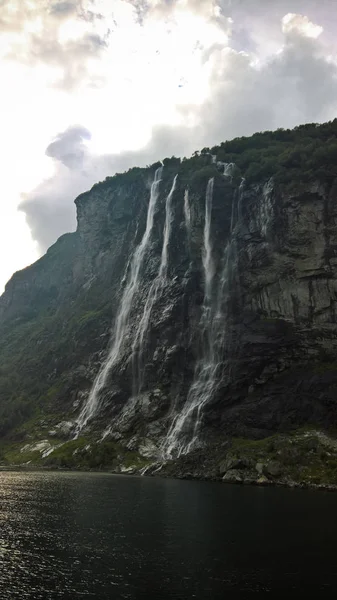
<point>187,211</point>
<point>228,169</point>
<point>154,291</point>
<point>207,258</point>
<point>183,421</point>
<point>183,434</point>
<point>122,319</point>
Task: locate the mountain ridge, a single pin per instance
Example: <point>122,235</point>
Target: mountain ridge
<point>237,329</point>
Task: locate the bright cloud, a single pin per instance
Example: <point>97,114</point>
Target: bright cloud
<point>300,24</point>
<point>91,87</point>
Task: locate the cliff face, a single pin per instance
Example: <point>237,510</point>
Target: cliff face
<point>189,307</point>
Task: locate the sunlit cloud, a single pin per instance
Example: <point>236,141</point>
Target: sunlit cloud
<point>91,87</point>
<point>300,24</point>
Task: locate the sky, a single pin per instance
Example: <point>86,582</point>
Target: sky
<point>93,87</point>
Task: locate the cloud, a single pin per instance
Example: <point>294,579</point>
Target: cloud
<point>293,79</point>
<point>62,9</point>
<point>66,36</point>
<point>300,24</point>
<point>296,84</point>
<point>69,147</point>
<point>49,208</point>
<point>209,10</point>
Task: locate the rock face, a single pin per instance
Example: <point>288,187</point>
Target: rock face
<point>230,328</point>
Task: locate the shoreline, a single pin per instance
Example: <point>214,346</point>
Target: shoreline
<point>324,487</point>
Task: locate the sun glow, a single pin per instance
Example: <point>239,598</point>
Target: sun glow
<point>120,69</point>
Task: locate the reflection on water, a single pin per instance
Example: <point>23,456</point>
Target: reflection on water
<point>84,535</point>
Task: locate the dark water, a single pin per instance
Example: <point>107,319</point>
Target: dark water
<point>73,535</point>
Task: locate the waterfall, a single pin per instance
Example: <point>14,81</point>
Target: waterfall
<point>207,259</point>
<point>215,340</point>
<point>187,217</point>
<point>199,386</point>
<point>123,314</point>
<point>167,231</point>
<point>228,169</point>
<point>153,293</point>
<point>187,212</point>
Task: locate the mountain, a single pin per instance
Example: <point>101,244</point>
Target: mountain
<point>188,326</point>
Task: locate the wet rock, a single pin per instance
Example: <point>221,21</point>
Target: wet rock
<point>65,427</point>
<point>263,480</point>
<point>260,468</point>
<point>249,479</point>
<point>133,443</point>
<point>273,469</point>
<point>232,462</point>
<point>233,476</point>
<point>148,449</point>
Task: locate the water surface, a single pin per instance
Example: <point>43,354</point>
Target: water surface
<point>86,535</point>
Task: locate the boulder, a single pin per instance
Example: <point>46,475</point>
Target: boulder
<point>262,480</point>
<point>273,469</point>
<point>233,476</point>
<point>234,462</point>
<point>259,467</point>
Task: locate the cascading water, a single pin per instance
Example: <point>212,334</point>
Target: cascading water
<point>167,231</point>
<point>228,169</point>
<point>183,434</point>
<point>122,320</point>
<point>207,258</point>
<point>183,421</point>
<point>187,211</point>
<point>154,291</point>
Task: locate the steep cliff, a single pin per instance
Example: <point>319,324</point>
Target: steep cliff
<point>194,305</point>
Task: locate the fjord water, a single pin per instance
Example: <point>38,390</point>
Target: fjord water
<point>86,535</point>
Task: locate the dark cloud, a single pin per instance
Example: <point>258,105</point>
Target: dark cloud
<point>50,209</point>
<point>47,215</point>
<point>63,9</point>
<point>69,147</point>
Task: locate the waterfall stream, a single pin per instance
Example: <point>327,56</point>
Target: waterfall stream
<point>187,212</point>
<point>214,340</point>
<point>122,319</point>
<point>183,434</point>
<point>154,291</point>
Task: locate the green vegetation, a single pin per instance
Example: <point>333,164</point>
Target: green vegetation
<point>38,354</point>
<point>291,156</point>
<point>307,455</point>
<point>82,453</point>
<point>202,176</point>
<point>294,157</point>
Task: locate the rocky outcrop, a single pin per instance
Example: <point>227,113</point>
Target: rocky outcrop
<point>231,331</point>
